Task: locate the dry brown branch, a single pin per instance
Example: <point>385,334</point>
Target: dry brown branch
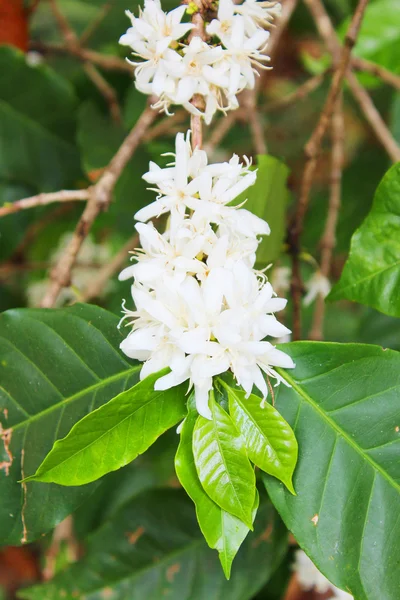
<point>360,64</point>
<point>72,42</point>
<point>44,199</point>
<point>100,198</point>
<point>220,130</point>
<point>98,284</point>
<point>166,126</point>
<point>327,32</point>
<point>97,21</point>
<point>311,152</point>
<point>304,90</point>
<point>249,103</point>
<point>108,63</point>
<point>374,118</point>
<point>328,240</point>
<point>196,120</point>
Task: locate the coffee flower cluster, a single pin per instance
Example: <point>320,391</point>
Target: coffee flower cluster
<point>174,70</point>
<point>201,307</point>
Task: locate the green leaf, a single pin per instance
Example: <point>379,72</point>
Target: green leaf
<point>344,406</point>
<point>222,465</point>
<point>371,274</point>
<point>55,367</point>
<point>270,441</point>
<point>222,531</point>
<point>268,198</point>
<point>153,549</point>
<point>113,435</point>
<point>36,129</point>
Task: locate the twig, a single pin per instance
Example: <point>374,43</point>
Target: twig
<point>300,93</point>
<point>249,103</point>
<point>108,63</point>
<point>374,118</point>
<point>72,42</point>
<point>95,288</point>
<point>100,198</point>
<point>165,126</point>
<point>327,32</point>
<point>360,64</point>
<point>311,153</point>
<point>328,240</point>
<point>44,199</point>
<point>197,100</point>
<point>93,26</point>
<point>288,7</point>
<point>64,532</point>
<point>220,131</point>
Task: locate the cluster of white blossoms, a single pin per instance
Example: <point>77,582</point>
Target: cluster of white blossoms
<point>175,70</point>
<point>200,306</point>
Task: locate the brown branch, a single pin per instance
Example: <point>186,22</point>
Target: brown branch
<point>72,42</point>
<point>166,126</point>
<point>249,103</point>
<point>196,120</point>
<point>108,63</point>
<point>43,200</point>
<point>98,284</point>
<point>97,21</point>
<point>288,7</point>
<point>311,152</point>
<point>360,64</point>
<point>327,32</point>
<point>100,198</point>
<point>64,532</point>
<point>374,118</point>
<point>328,240</point>
<point>304,90</point>
<point>221,130</point>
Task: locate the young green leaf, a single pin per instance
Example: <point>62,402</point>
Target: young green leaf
<point>113,435</point>
<point>270,441</point>
<point>222,531</point>
<point>222,464</point>
<point>344,404</point>
<point>371,274</point>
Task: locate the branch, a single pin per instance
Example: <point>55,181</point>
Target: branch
<point>97,21</point>
<point>311,152</point>
<point>249,102</point>
<point>360,64</point>
<point>44,199</point>
<point>100,198</point>
<point>95,288</point>
<point>328,240</point>
<point>299,94</point>
<point>108,63</point>
<point>220,130</point>
<point>197,100</point>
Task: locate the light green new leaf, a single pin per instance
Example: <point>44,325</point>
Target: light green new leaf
<point>222,464</point>
<point>344,407</point>
<point>55,367</point>
<point>113,435</point>
<point>371,274</point>
<point>152,549</point>
<point>267,199</point>
<point>222,531</point>
<point>270,441</point>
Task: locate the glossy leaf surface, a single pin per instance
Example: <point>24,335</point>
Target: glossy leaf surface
<point>222,464</point>
<point>55,367</point>
<point>152,549</point>
<point>113,435</point>
<point>222,531</point>
<point>371,274</point>
<point>270,441</point>
<point>344,407</point>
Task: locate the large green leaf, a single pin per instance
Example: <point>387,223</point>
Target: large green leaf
<point>113,435</point>
<point>222,464</point>
<point>36,128</point>
<point>344,406</point>
<point>372,272</point>
<point>268,198</point>
<point>270,441</point>
<point>55,367</point>
<point>222,531</point>
<point>153,549</point>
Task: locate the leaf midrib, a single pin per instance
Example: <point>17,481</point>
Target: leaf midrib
<point>337,428</point>
<point>96,386</point>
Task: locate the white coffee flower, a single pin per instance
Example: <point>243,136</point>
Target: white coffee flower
<point>317,285</point>
<point>201,308</point>
<point>310,578</point>
<point>175,70</point>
